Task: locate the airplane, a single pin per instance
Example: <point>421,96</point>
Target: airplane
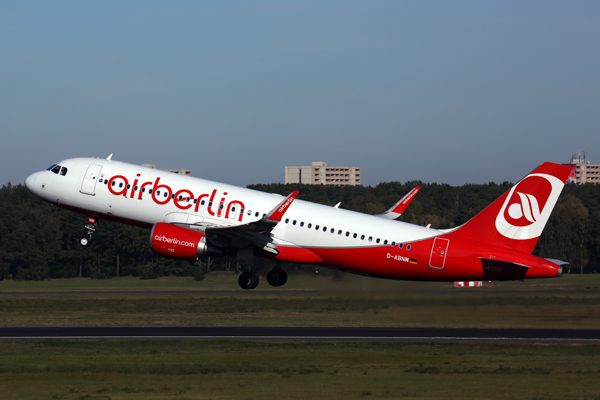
<point>191,218</point>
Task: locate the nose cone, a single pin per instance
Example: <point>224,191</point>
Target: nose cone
<point>34,183</point>
<point>30,182</point>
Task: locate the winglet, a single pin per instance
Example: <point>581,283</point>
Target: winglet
<point>398,208</point>
<point>276,214</point>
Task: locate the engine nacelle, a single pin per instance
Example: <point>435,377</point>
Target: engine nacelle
<point>177,242</point>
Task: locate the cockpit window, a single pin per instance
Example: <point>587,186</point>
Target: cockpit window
<point>57,169</point>
<point>54,168</point>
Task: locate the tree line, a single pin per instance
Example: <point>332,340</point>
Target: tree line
<point>40,241</point>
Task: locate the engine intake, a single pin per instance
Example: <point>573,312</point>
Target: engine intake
<point>177,242</point>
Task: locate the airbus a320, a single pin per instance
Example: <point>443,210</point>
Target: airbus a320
<point>191,218</point>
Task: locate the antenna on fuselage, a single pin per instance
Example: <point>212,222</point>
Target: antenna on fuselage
<point>109,157</point>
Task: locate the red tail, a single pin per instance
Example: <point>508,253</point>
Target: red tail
<point>518,217</point>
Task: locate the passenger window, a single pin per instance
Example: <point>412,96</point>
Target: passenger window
<point>347,233</point>
<point>362,237</point>
<point>287,220</point>
<point>370,238</point>
<point>302,223</point>
<point>317,227</point>
<point>165,195</point>
<point>401,245</point>
<point>354,236</point>
<point>340,232</point>
<point>377,241</point>
<point>408,247</point>
<point>385,241</point>
<point>63,171</point>
<point>310,225</point>
<point>256,214</point>
<point>294,223</point>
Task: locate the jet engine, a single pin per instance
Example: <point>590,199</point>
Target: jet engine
<point>177,242</point>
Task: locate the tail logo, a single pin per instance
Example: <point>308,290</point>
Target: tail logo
<point>528,206</point>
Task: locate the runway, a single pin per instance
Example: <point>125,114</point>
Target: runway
<point>304,334</point>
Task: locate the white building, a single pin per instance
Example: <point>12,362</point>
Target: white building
<point>175,171</point>
<point>585,172</point>
<point>319,173</point>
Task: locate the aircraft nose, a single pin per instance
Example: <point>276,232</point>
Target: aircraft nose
<point>31,182</point>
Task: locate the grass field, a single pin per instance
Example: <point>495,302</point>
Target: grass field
<point>570,302</point>
<point>193,369</point>
<point>253,370</point>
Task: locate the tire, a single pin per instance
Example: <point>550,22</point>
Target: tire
<point>248,280</point>
<point>277,277</point>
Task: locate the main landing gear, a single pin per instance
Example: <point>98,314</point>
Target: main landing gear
<point>91,228</point>
<point>277,277</point>
<point>249,280</point>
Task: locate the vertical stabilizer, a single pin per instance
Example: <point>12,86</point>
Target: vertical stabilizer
<point>518,217</point>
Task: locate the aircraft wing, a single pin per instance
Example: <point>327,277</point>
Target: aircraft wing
<point>398,208</point>
<point>256,233</point>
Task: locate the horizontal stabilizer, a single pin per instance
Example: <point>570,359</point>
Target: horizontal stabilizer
<point>557,262</point>
<point>498,263</point>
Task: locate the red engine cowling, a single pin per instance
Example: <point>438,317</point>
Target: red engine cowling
<point>175,241</point>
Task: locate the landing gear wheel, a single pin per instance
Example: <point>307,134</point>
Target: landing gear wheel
<point>91,228</point>
<point>277,277</point>
<point>248,280</point>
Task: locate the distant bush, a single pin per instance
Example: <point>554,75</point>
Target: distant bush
<point>149,275</point>
<point>199,275</point>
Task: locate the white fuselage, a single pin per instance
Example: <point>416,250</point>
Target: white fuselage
<point>115,191</point>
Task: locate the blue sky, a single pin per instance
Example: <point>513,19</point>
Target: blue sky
<point>440,91</point>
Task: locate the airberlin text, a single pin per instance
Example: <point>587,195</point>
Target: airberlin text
<point>398,258</point>
<point>163,238</point>
<point>183,199</point>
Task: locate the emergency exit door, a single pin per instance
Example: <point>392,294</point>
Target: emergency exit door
<point>438,253</point>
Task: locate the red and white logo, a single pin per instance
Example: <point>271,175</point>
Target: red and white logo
<point>528,206</point>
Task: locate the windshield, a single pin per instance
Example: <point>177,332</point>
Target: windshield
<point>57,169</point>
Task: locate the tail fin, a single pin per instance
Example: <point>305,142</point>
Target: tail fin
<point>517,218</point>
